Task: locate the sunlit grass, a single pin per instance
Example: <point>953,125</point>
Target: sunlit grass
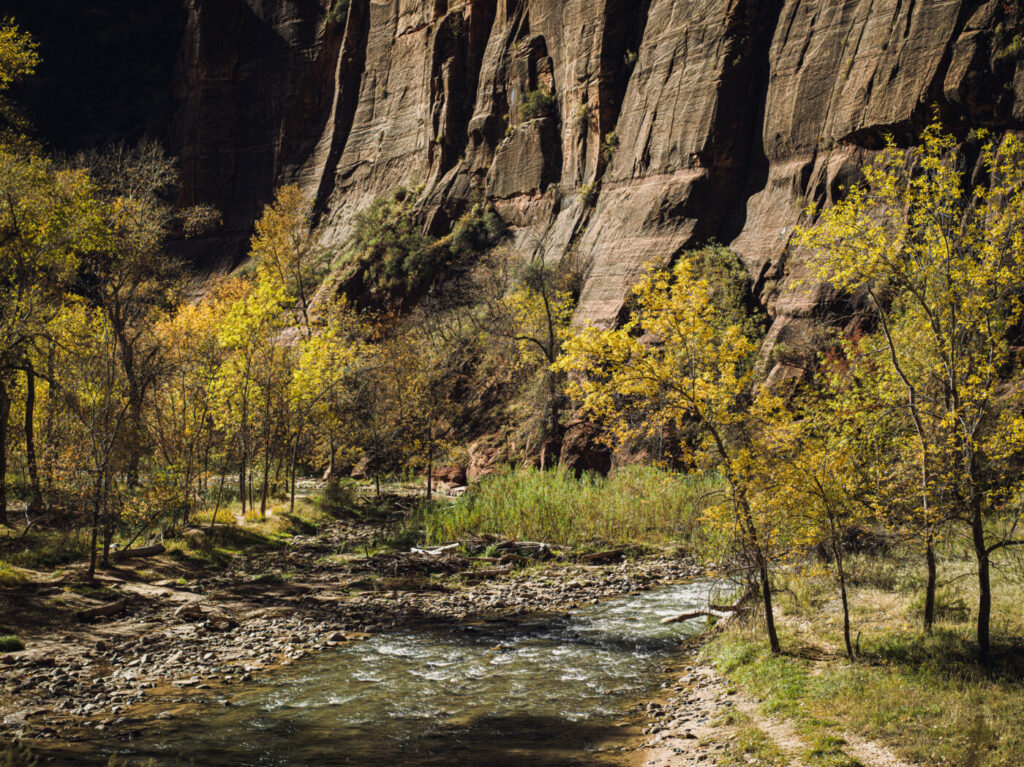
<point>750,745</point>
<point>10,575</point>
<point>635,505</point>
<point>924,695</point>
<point>11,643</point>
<point>214,545</point>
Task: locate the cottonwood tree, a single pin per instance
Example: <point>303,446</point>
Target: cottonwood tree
<point>180,417</point>
<point>91,388</point>
<point>325,370</point>
<point>820,458</point>
<point>943,269</point>
<point>286,250</point>
<point>19,58</point>
<point>684,358</point>
<point>246,391</point>
<point>133,279</point>
<point>527,306</point>
<point>48,219</point>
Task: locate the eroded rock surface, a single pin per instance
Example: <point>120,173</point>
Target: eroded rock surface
<point>674,121</point>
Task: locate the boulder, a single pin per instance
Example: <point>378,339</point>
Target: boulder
<point>360,469</point>
<point>453,476</point>
<point>583,451</point>
<point>488,455</point>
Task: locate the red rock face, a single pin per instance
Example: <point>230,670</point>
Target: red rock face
<point>728,116</point>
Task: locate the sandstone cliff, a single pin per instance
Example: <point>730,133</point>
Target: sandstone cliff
<point>675,121</point>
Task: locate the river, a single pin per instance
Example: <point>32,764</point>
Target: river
<point>542,691</point>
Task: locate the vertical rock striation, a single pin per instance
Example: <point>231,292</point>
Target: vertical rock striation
<point>672,121</point>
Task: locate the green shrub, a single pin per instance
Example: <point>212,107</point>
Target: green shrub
<point>50,548</point>
<point>339,497</point>
<point>395,259</point>
<point>1011,52</point>
<point>11,643</point>
<point>480,229</point>
<point>724,269</point>
<point>338,13</point>
<point>538,104</point>
<point>949,605</point>
<point>583,116</point>
<point>388,245</point>
<point>587,194</point>
<point>609,145</point>
<point>10,576</point>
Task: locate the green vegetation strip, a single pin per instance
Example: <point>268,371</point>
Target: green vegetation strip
<point>636,505</point>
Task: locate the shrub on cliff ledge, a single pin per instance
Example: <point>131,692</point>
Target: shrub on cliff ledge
<point>538,104</point>
<point>393,257</point>
<point>338,13</point>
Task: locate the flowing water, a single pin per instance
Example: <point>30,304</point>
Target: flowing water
<point>538,691</point>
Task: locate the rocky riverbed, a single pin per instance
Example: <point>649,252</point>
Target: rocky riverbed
<point>87,680</point>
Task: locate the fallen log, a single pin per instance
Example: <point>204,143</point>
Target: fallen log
<point>103,610</point>
<point>718,612</point>
<point>603,556</point>
<point>436,551</point>
<point>695,614</point>
<point>142,551</point>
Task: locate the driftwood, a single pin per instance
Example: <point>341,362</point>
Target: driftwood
<point>436,551</point>
<point>718,612</point>
<point>602,556</point>
<point>695,614</point>
<point>103,610</point>
<point>142,551</point>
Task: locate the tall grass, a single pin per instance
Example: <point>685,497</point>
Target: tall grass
<point>638,504</point>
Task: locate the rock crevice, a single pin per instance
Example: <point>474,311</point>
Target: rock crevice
<point>674,122</point>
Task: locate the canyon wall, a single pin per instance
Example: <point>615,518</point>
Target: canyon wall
<point>673,122</point>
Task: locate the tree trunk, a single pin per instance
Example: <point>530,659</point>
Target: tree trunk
<point>266,455</point>
<point>554,394</point>
<point>837,551</point>
<point>135,435</point>
<point>294,461</point>
<point>930,585</point>
<point>266,480</point>
<point>766,596</point>
<point>759,557</point>
<point>984,583</point>
<point>430,470</point>
<point>35,503</point>
<point>216,507</point>
<point>5,411</point>
<point>108,521</point>
<point>108,537</point>
<point>94,538</point>
<point>241,482</point>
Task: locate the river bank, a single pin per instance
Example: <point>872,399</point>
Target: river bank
<point>83,681</point>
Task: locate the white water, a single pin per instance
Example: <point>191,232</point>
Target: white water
<point>531,692</point>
